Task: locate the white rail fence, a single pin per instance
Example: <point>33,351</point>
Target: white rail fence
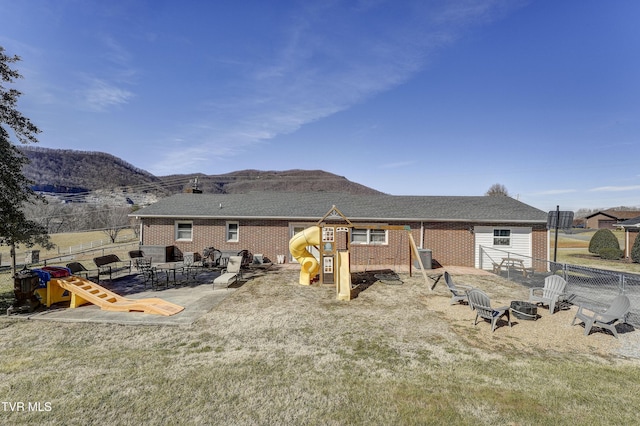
<point>94,244</point>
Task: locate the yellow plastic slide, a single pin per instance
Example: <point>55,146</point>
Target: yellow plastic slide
<point>298,244</point>
<point>85,291</point>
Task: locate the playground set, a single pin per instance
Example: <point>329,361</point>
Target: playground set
<point>55,284</point>
<point>331,232</point>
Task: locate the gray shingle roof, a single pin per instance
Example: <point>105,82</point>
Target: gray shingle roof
<point>635,222</point>
<point>312,206</point>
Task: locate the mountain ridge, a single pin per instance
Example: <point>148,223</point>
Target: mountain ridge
<point>65,171</point>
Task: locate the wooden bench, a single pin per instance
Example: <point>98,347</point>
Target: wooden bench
<point>111,265</point>
<point>79,270</point>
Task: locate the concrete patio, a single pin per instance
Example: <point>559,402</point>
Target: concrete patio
<point>197,295</point>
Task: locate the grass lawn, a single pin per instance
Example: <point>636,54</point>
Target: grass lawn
<point>574,249</point>
<point>276,352</point>
<point>63,242</point>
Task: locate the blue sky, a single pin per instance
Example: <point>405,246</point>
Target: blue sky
<point>408,97</point>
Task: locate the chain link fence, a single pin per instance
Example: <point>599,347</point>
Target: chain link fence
<point>591,286</point>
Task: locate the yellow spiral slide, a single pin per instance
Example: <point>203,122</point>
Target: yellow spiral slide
<point>298,244</point>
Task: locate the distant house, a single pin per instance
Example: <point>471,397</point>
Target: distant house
<point>631,229</point>
<point>608,219</point>
<point>459,231</point>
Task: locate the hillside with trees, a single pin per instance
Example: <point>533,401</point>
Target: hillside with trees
<point>256,180</point>
<point>69,171</point>
<point>57,171</point>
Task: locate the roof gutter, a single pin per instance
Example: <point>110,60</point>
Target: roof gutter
<point>315,218</point>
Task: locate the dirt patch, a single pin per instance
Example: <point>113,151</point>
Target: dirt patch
<point>549,333</point>
<point>391,301</point>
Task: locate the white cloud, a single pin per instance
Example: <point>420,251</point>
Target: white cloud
<point>100,95</point>
<point>186,159</point>
<point>615,188</point>
<point>114,52</point>
<point>324,65</point>
<point>555,192</point>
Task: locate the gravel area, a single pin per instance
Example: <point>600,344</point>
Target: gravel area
<point>550,332</point>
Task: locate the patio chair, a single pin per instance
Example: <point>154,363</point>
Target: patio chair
<point>458,293</point>
<point>554,286</point>
<point>192,264</point>
<point>260,261</point>
<point>133,254</point>
<point>211,257</point>
<point>150,273</point>
<point>231,272</point>
<point>247,258</point>
<point>479,301</point>
<point>79,270</point>
<point>605,319</point>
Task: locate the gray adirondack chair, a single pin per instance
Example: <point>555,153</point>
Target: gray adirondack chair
<point>482,305</point>
<point>606,318</point>
<point>459,292</point>
<point>554,286</point>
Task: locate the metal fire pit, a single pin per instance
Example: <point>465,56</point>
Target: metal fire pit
<point>524,310</point>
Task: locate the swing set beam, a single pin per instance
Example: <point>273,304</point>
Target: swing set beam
<point>334,213</point>
<point>412,243</point>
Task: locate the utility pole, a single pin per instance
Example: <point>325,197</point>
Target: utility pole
<point>555,249</point>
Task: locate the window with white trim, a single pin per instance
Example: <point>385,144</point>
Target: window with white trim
<point>502,237</point>
<point>233,231</point>
<point>368,236</point>
<point>184,231</point>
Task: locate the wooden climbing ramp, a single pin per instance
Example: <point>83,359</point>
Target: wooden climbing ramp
<point>84,291</point>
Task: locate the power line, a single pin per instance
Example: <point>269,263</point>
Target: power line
<point>168,183</point>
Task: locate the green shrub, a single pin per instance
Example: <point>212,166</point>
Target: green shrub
<point>610,253</point>
<point>635,250</point>
<point>603,239</point>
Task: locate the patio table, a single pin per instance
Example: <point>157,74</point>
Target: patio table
<point>169,268</point>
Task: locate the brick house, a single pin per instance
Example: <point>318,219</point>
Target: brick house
<point>458,230</point>
<point>609,218</point>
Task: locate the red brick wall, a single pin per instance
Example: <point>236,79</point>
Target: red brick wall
<point>540,242</point>
<point>451,243</point>
<point>394,254</point>
<point>267,237</point>
<point>454,243</point>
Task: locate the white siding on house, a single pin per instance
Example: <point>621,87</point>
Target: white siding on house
<point>486,253</point>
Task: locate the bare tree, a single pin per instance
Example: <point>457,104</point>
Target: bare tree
<point>53,216</point>
<point>113,220</point>
<point>134,222</point>
<point>497,190</point>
